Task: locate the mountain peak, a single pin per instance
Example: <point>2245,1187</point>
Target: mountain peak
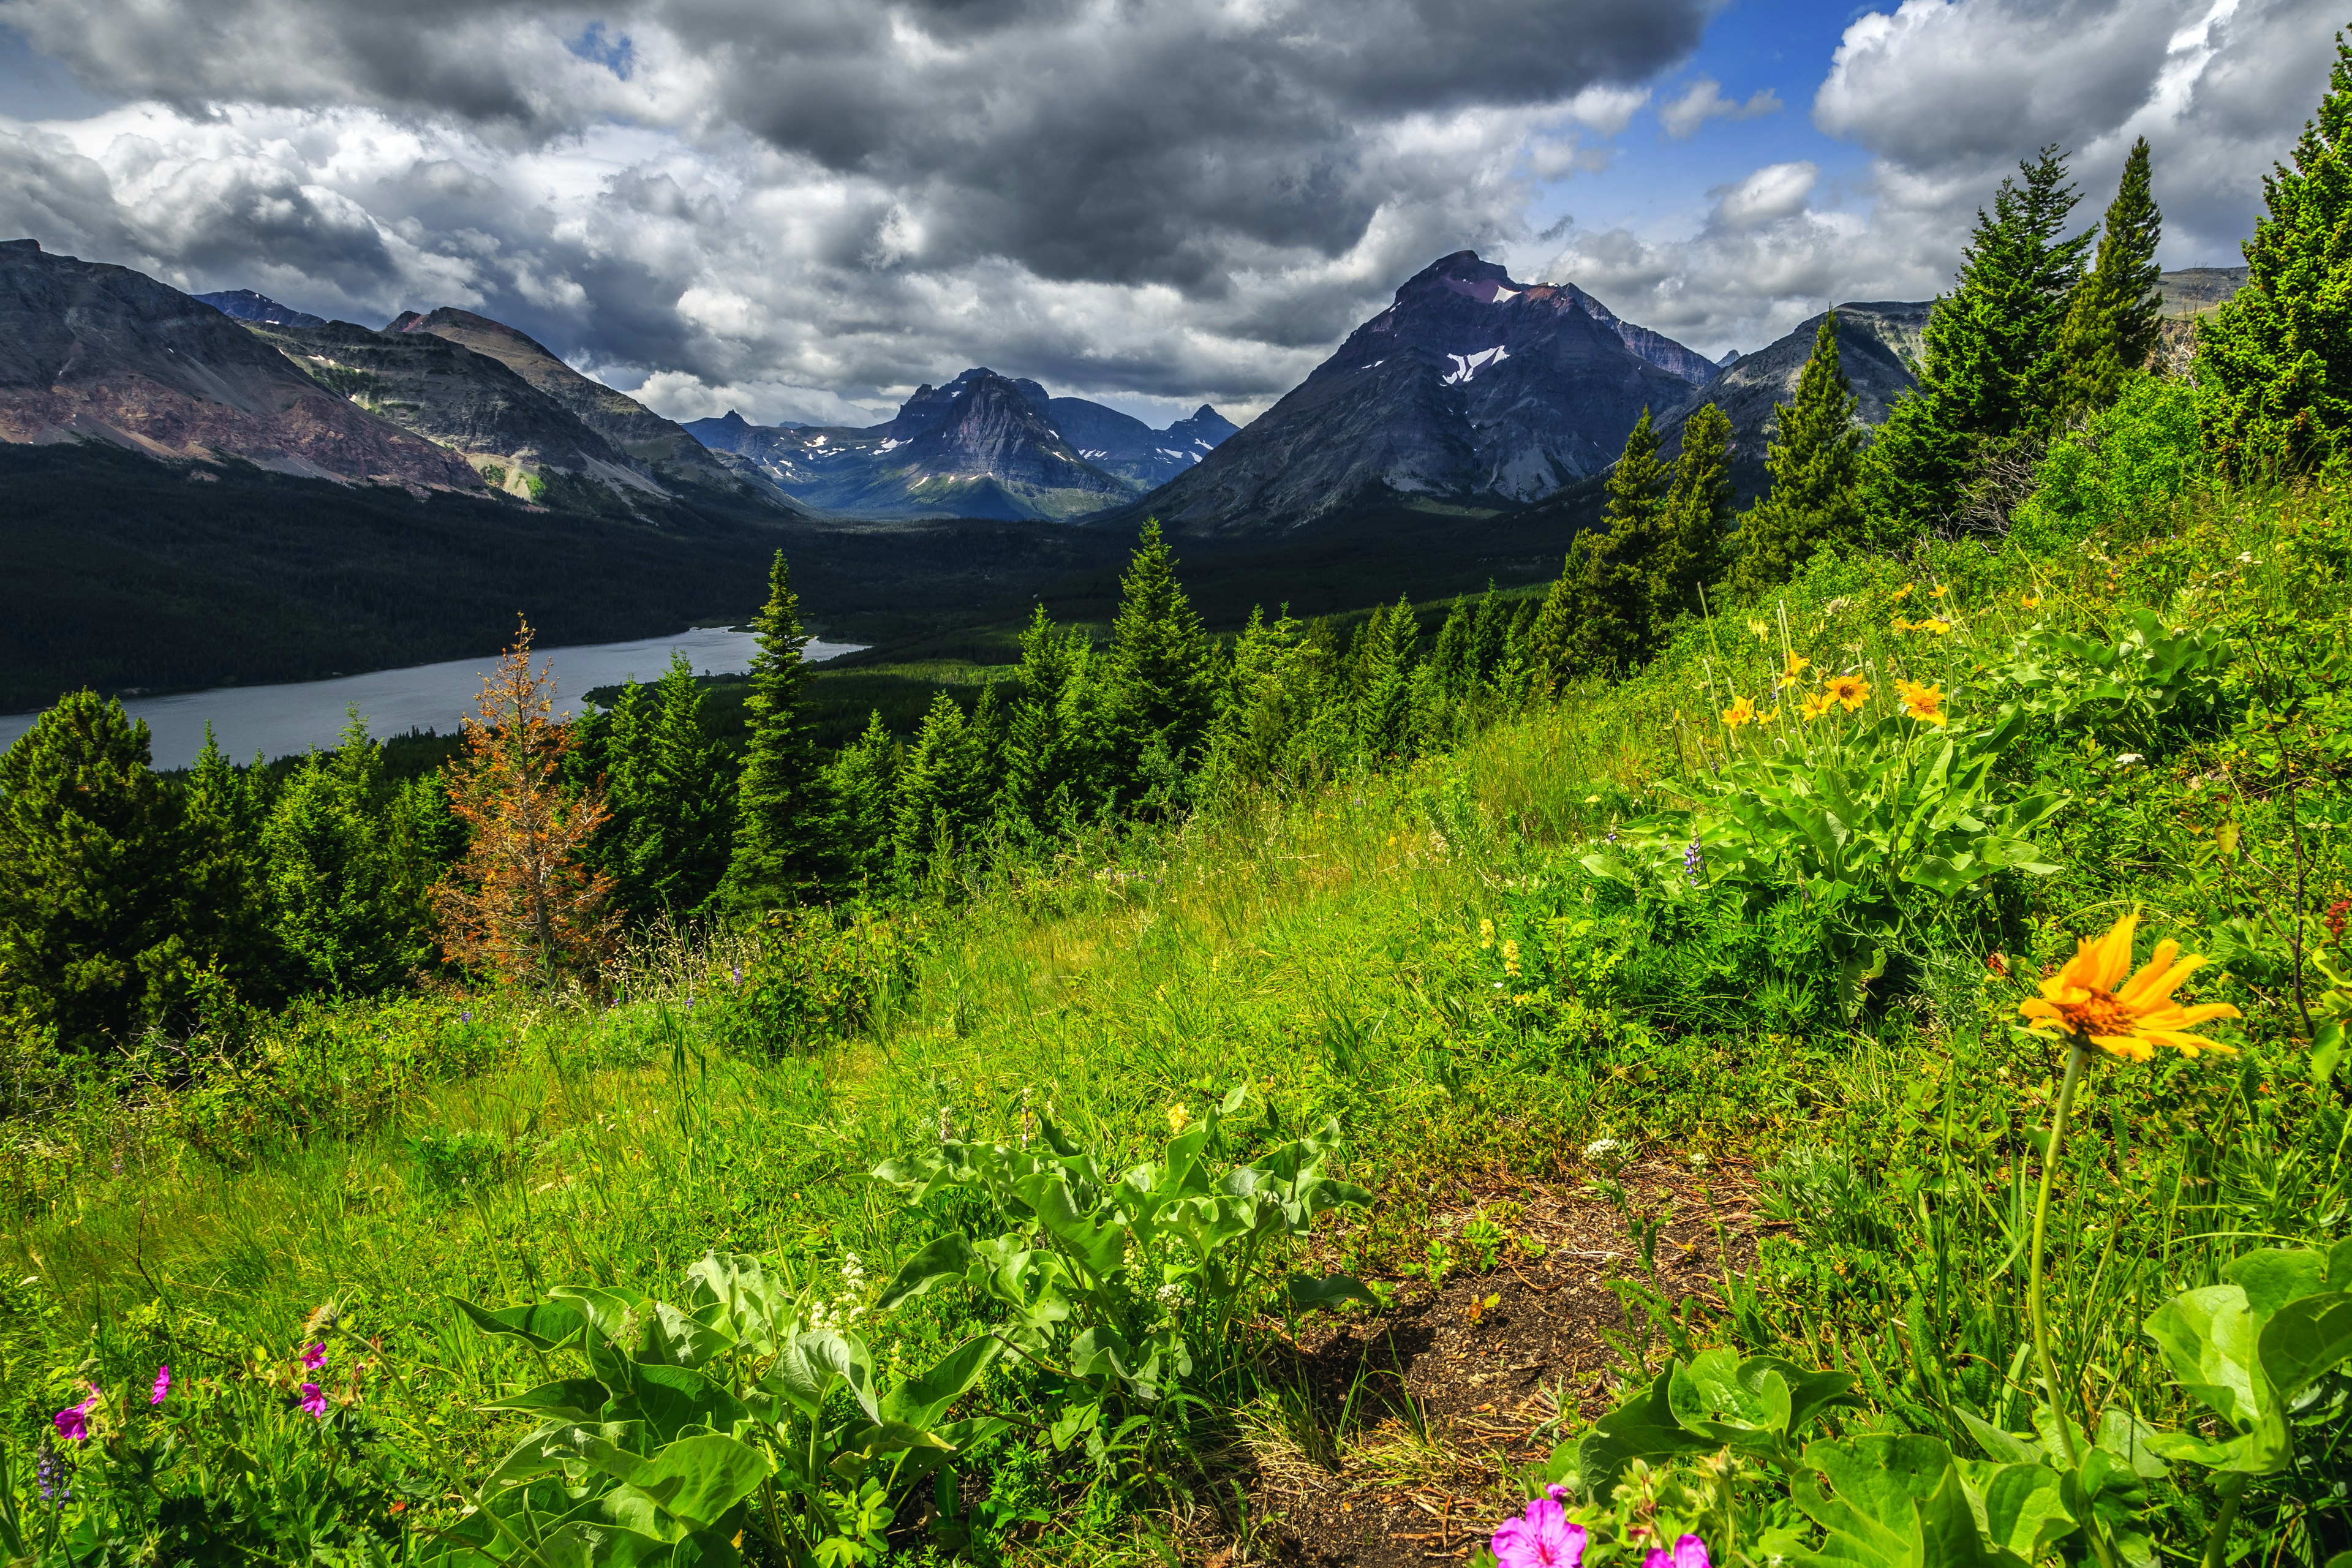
<point>248,306</point>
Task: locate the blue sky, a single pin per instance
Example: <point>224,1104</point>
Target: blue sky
<point>804,210</point>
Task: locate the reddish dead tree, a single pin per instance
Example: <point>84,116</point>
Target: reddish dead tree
<point>519,904</point>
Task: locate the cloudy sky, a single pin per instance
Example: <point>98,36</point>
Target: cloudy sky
<point>803,208</point>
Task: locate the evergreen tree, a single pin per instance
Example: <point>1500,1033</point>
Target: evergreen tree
<point>1160,696</point>
<point>1382,676</point>
<point>863,781</point>
<point>943,790</point>
<point>1453,661</point>
<point>221,912</point>
<point>1540,647</point>
<point>1693,528</point>
<point>87,874</point>
<point>780,813</point>
<point>2111,327</point>
<point>1812,498</point>
<point>1489,627</point>
<point>2275,363</point>
<point>1611,577</point>
<point>1994,352</point>
<point>333,884</point>
<point>665,845</point>
<point>1053,743</point>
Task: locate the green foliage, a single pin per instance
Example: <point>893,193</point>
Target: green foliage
<point>345,917</point>
<point>665,845</point>
<point>1994,355</point>
<point>779,813</point>
<point>1056,735</point>
<point>2111,326</point>
<point>1613,571</point>
<point>2121,474</point>
<point>2152,681</point>
<point>2274,362</point>
<point>945,787</point>
<point>88,948</point>
<point>1694,528</point>
<point>1813,463</point>
<point>1160,693</point>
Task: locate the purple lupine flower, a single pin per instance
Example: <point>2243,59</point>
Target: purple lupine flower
<point>467,1016</point>
<point>1542,1538</point>
<point>73,1422</point>
<point>50,1473</point>
<point>1689,1552</point>
<point>314,1404</point>
<point>1692,863</point>
<point>737,973</point>
<point>315,1356</point>
<point>163,1383</point>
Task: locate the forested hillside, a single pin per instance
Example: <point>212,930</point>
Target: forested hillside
<point>1820,1037</point>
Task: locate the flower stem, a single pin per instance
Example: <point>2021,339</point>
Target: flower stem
<point>2067,1439</point>
<point>2232,1488</point>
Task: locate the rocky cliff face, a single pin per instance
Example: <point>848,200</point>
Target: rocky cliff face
<point>516,436</point>
<point>89,351</point>
<point>1471,390</point>
<point>663,447</point>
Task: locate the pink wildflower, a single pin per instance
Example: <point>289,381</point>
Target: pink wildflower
<point>1543,1539</point>
<point>73,1422</point>
<point>163,1383</point>
<point>314,1403</point>
<point>1689,1552</point>
<point>316,1356</point>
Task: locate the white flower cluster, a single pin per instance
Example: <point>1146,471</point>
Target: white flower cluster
<point>837,1313</point>
<point>1600,1148</point>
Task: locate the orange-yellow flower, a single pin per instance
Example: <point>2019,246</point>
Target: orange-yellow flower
<point>1902,592</point>
<point>1925,703</point>
<point>1936,623</point>
<point>1817,703</point>
<point>1851,690</point>
<point>2032,601</point>
<point>1939,590</point>
<point>1798,665</point>
<point>1742,711</point>
<point>2090,1000</point>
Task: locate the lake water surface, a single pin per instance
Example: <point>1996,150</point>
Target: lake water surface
<point>279,721</point>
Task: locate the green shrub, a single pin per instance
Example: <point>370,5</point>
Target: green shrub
<point>2121,474</point>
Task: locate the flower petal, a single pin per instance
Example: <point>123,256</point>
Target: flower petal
<point>2158,978</point>
<point>2112,954</point>
<point>2130,1048</point>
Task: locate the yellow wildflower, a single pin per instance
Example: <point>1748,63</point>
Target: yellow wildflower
<point>1925,703</point>
<point>1798,665</point>
<point>1902,592</point>
<point>1902,624</point>
<point>1179,1119</point>
<point>1936,623</point>
<point>2032,601</point>
<point>1510,957</point>
<point>1817,703</point>
<point>1938,591</point>
<point>1851,690</point>
<point>2090,1001</point>
<point>1486,934</point>
<point>1742,711</point>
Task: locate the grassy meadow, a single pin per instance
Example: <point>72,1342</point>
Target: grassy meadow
<point>1500,974</point>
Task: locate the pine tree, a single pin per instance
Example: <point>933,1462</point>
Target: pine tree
<point>2111,327</point>
<point>520,903</point>
<point>863,782</point>
<point>2275,363</point>
<point>665,845</point>
<point>1993,352</point>
<point>1489,627</point>
<point>1612,570</point>
<point>780,811</point>
<point>1160,695</point>
<point>1541,648</point>
<point>1054,737</point>
<point>943,790</point>
<point>1454,660</point>
<point>221,910</point>
<point>332,892</point>
<point>87,874</point>
<point>1813,463</point>
<point>1695,526</point>
<point>1383,676</point>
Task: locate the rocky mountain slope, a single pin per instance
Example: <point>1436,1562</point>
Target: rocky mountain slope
<point>1472,390</point>
<point>667,453</point>
<point>520,439</point>
<point>248,306</point>
<point>982,446</point>
<point>90,350</point>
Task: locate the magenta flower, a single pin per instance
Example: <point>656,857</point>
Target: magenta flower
<point>163,1383</point>
<point>73,1422</point>
<point>1689,1552</point>
<point>316,1356</point>
<point>313,1401</point>
<point>1544,1539</point>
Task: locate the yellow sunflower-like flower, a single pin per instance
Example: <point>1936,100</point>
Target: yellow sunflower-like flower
<point>1817,703</point>
<point>1742,711</point>
<point>2090,999</point>
<point>1903,591</point>
<point>1939,590</point>
<point>1936,623</point>
<point>2031,602</point>
<point>1925,703</point>
<point>1798,665</point>
<point>1851,690</point>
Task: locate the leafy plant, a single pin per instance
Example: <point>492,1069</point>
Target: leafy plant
<point>2135,686</point>
<point>738,1414</point>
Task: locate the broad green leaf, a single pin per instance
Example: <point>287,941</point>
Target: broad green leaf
<point>2024,1510</point>
<point>2306,1337</point>
<point>579,1399</point>
<point>2273,1276</point>
<point>2004,1448</point>
<point>669,1399</point>
<point>543,1325</point>
<point>1330,1292</point>
<point>1715,1397</point>
<point>697,1479</point>
<point>1644,1428</point>
<point>814,1365</point>
<point>921,1401</point>
<point>945,1258</point>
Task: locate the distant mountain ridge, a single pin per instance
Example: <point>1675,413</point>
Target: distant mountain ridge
<point>1471,390</point>
<point>248,306</point>
<point>983,445</point>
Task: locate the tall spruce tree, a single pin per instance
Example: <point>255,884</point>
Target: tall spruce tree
<point>1382,674</point>
<point>1695,523</point>
<point>943,790</point>
<point>781,816</point>
<point>1612,570</point>
<point>333,886</point>
<point>671,820</point>
<point>1160,693</point>
<point>1454,660</point>
<point>2111,327</point>
<point>1054,731</point>
<point>87,872</point>
<point>1490,628</point>
<point>1994,352</point>
<point>1812,498</point>
<point>863,779</point>
<point>220,910</point>
<point>2275,363</point>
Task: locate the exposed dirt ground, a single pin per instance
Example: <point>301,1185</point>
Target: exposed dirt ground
<point>1403,1430</point>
